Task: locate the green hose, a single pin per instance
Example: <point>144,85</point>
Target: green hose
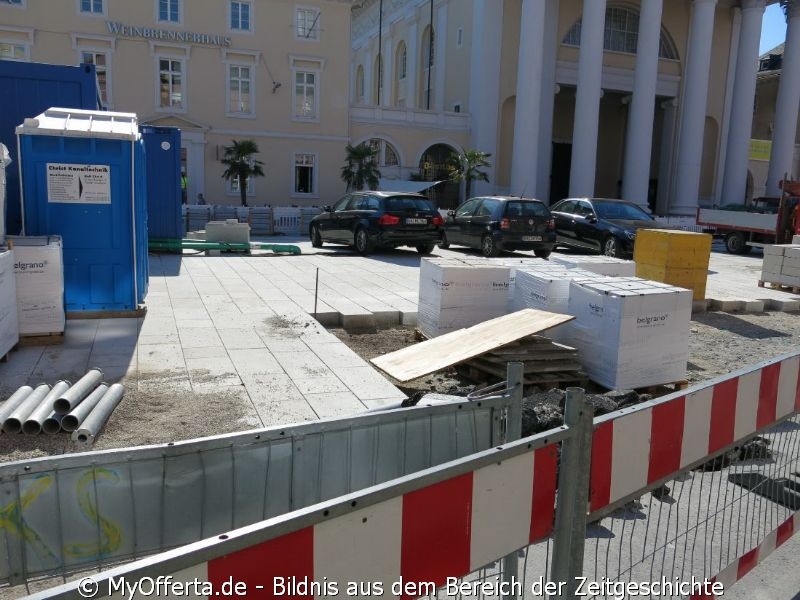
<point>175,245</point>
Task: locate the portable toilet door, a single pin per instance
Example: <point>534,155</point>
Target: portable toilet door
<point>83,179</point>
<point>162,146</point>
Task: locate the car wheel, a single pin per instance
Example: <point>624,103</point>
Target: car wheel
<point>444,242</point>
<point>489,246</point>
<point>362,242</point>
<point>611,246</point>
<point>542,253</point>
<point>735,243</point>
<point>316,237</point>
<point>425,248</point>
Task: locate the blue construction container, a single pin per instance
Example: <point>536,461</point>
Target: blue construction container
<point>162,147</point>
<point>83,178</point>
<point>27,89</point>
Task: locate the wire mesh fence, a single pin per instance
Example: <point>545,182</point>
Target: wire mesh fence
<point>674,537</point>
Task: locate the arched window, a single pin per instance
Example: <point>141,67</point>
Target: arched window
<point>360,84</point>
<point>399,86</point>
<point>622,34</point>
<point>427,60</point>
<point>402,57</point>
<point>385,153</point>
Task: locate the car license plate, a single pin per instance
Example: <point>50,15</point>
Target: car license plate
<point>531,238</point>
<point>416,221</point>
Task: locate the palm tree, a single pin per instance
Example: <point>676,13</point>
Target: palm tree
<point>359,169</point>
<point>241,164</point>
<point>466,166</point>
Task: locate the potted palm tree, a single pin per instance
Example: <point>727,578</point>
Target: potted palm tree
<point>466,166</point>
<point>241,164</point>
<point>359,170</point>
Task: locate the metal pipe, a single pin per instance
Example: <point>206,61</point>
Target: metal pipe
<point>14,421</point>
<point>73,396</point>
<point>52,424</point>
<point>91,426</point>
<point>73,420</point>
<point>33,424</point>
<point>15,400</point>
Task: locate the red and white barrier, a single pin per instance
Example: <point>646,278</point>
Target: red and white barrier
<point>748,561</point>
<point>639,447</point>
<point>446,529</point>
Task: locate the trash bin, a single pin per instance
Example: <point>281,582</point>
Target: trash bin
<point>162,147</point>
<point>83,178</point>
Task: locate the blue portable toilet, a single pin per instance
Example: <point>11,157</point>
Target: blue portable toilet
<point>29,88</point>
<point>83,178</point>
<point>162,147</point>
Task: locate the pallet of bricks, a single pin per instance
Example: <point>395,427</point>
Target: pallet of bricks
<point>39,277</point>
<point>628,332</point>
<point>781,267</point>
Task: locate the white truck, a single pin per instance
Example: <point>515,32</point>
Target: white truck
<point>765,221</point>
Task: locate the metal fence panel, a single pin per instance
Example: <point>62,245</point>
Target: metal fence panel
<point>71,512</point>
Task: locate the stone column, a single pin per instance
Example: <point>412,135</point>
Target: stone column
<point>368,68</point>
<point>587,100</point>
<point>734,185</point>
<point>525,157</point>
<point>787,104</point>
<point>412,46</point>
<point>551,43</point>
<point>484,83</point>
<point>693,108</point>
<point>387,68</point>
<point>639,134</point>
<point>440,60</point>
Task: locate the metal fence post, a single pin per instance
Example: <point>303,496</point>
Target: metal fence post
<point>573,494</point>
<point>515,370</point>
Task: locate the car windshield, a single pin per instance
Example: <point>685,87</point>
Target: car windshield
<point>526,209</point>
<point>406,203</point>
<point>620,210</point>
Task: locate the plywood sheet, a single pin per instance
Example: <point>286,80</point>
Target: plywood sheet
<point>452,348</point>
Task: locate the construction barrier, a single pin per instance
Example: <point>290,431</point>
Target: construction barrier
<point>95,509</point>
<point>669,505</point>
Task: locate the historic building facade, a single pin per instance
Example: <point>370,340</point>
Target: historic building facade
<point>274,71</point>
<point>644,99</point>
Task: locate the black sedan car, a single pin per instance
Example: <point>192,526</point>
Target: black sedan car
<point>496,223</point>
<point>370,220</point>
<point>601,225</point>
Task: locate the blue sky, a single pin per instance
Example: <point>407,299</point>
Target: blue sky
<point>773,31</point>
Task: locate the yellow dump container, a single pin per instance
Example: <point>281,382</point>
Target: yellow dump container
<point>676,257</point>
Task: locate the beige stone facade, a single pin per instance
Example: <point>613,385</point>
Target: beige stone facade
<point>275,71</point>
<point>475,70</point>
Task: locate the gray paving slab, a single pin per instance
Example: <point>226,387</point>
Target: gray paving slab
<point>337,404</point>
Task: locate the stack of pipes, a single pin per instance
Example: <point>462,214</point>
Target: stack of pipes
<point>81,409</point>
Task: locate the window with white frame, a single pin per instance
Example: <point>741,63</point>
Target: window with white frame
<point>171,83</point>
<point>169,11</point>
<point>233,185</point>
<point>385,153</point>
<point>240,15</point>
<point>402,61</point>
<point>92,7</point>
<point>11,51</point>
<point>304,173</point>
<point>307,23</point>
<point>360,84</point>
<point>100,60</point>
<point>305,95</point>
<point>240,99</point>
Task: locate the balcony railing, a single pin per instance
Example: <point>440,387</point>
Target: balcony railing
<point>388,115</point>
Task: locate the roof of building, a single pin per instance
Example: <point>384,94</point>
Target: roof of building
<point>777,50</point>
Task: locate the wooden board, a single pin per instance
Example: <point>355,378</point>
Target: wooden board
<point>454,347</point>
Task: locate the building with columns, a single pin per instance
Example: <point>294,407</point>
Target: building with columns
<point>765,120</point>
<point>275,71</point>
<point>643,99</point>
